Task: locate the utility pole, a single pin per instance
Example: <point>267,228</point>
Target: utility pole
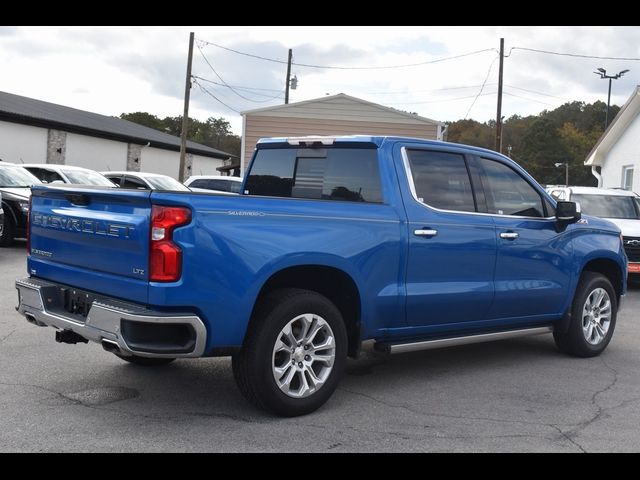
<point>185,114</point>
<point>286,92</point>
<point>499,113</point>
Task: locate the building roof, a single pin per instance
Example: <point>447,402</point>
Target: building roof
<point>616,129</point>
<point>329,102</point>
<point>29,111</point>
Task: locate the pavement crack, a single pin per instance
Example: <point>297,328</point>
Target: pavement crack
<point>567,436</point>
<point>8,335</point>
<point>442,415</point>
<point>44,389</point>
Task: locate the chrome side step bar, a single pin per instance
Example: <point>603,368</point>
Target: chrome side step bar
<point>454,341</point>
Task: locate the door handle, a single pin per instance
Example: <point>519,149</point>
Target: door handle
<point>425,232</point>
<point>509,235</point>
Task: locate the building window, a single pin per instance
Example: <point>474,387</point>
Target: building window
<point>627,177</point>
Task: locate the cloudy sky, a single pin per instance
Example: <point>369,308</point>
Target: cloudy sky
<point>111,70</point>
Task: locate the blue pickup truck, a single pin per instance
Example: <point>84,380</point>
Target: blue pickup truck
<point>410,243</point>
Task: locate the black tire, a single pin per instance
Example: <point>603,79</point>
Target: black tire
<point>252,366</point>
<point>8,231</point>
<point>145,361</point>
<point>573,341</point>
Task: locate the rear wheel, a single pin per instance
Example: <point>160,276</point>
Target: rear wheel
<point>7,230</point>
<point>145,361</point>
<point>294,353</point>
<point>593,317</point>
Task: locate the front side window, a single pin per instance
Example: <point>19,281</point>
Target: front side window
<point>441,180</point>
<point>508,193</point>
<point>346,174</point>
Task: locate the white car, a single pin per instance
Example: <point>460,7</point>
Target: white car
<point>621,207</point>
<point>214,183</point>
<point>49,173</point>
<point>145,181</point>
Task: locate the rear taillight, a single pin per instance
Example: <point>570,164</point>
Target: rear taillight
<point>165,258</point>
<point>29,226</point>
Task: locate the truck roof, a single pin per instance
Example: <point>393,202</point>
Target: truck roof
<point>376,140</point>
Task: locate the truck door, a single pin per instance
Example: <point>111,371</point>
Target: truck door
<point>452,248</point>
<point>533,270</point>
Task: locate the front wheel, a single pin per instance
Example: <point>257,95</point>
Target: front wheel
<point>294,353</point>
<point>593,317</point>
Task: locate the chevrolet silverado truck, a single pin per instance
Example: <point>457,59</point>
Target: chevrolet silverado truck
<point>412,244</point>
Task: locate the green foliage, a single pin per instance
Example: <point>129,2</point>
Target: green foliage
<point>214,132</point>
<point>538,142</point>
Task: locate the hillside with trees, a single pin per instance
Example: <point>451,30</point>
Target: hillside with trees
<point>566,134</point>
<point>214,132</point>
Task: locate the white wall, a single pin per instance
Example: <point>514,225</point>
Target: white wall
<point>22,142</point>
<point>205,165</point>
<point>95,153</point>
<point>157,160</point>
<point>626,151</point>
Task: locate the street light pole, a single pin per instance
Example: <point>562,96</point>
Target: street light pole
<point>566,172</point>
<point>603,74</point>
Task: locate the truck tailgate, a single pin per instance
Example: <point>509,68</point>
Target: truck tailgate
<point>92,238</point>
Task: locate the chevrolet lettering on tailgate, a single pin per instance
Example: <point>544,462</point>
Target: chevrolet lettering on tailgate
<point>96,227</point>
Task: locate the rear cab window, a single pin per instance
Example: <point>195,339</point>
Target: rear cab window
<point>338,174</point>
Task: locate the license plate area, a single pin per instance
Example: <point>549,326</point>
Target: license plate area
<point>68,301</point>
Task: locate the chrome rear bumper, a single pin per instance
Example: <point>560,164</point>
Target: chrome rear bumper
<point>104,322</point>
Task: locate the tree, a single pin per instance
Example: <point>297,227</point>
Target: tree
<point>214,132</point>
<point>538,142</point>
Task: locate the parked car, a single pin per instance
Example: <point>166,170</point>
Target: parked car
<point>15,190</point>
<point>145,181</point>
<point>49,173</point>
<point>334,241</point>
<point>1,217</point>
<point>217,183</point>
<point>621,207</point>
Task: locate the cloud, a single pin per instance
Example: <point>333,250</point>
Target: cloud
<point>8,31</point>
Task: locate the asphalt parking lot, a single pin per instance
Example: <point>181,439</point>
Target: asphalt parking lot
<point>515,395</point>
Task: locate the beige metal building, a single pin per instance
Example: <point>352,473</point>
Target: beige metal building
<point>332,115</point>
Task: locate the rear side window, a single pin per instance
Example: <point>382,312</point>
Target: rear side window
<point>45,175</point>
<point>441,180</point>
<point>508,193</point>
<point>346,174</point>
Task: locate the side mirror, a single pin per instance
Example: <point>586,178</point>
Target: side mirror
<point>568,212</point>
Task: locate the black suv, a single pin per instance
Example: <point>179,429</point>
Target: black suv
<point>15,190</point>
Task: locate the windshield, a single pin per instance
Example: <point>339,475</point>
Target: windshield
<point>166,183</point>
<point>16,177</point>
<point>608,206</point>
<point>87,177</point>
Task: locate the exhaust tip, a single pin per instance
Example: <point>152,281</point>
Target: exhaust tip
<point>111,346</point>
<point>31,319</point>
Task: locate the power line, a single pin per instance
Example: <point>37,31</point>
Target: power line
<point>441,101</point>
<point>577,55</point>
<point>239,87</point>
<point>202,88</point>
<point>225,83</point>
<point>268,99</point>
<point>537,92</point>
<point>406,92</point>
<point>530,99</point>
<point>334,67</point>
<point>482,87</point>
